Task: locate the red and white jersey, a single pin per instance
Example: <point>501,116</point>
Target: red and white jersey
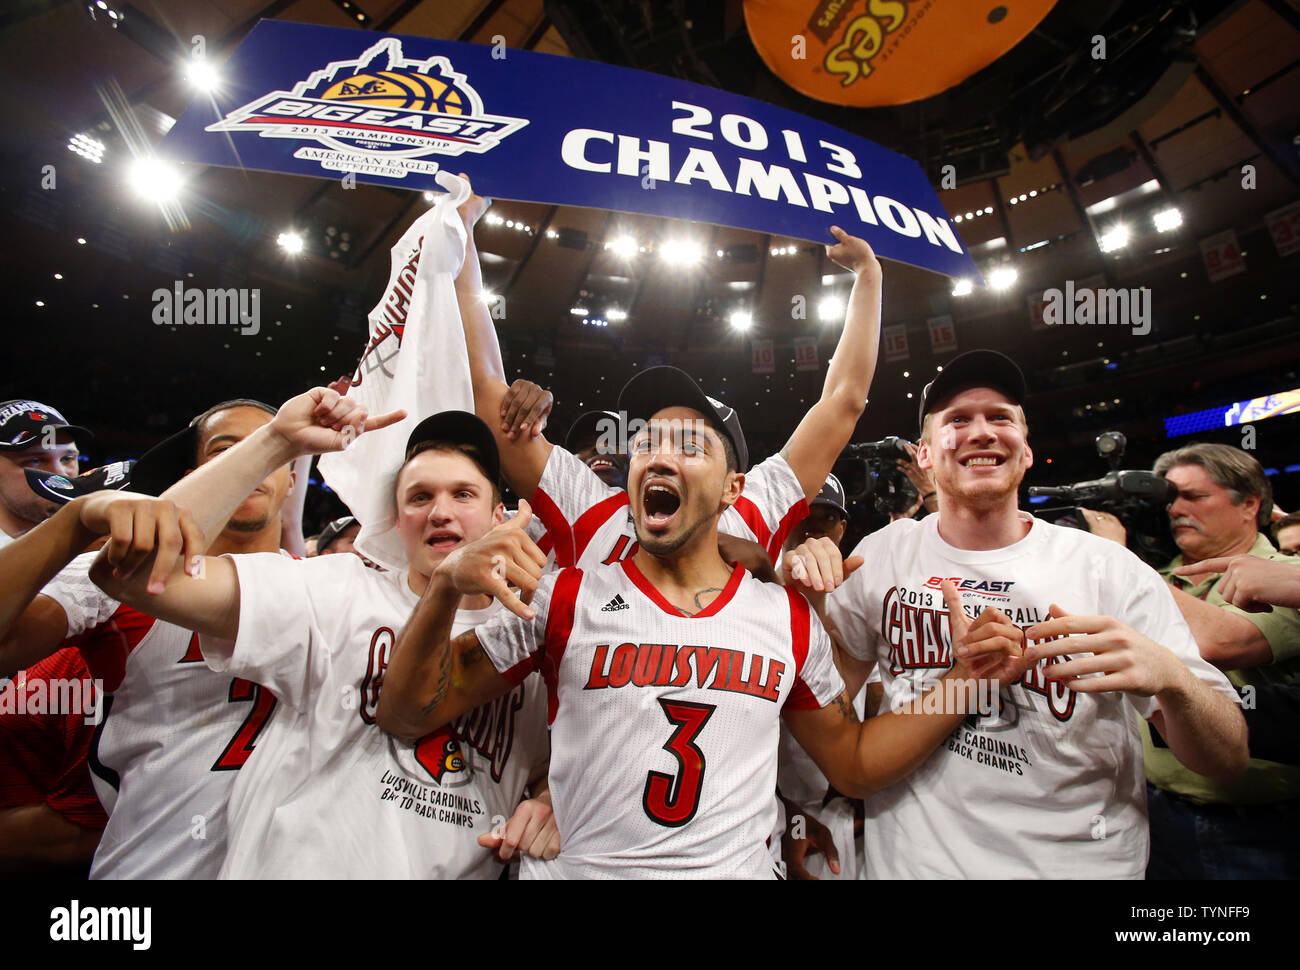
<point>589,523</point>
<point>330,795</point>
<point>1050,786</point>
<point>663,727</point>
<point>173,737</point>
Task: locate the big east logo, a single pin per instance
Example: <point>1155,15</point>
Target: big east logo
<point>379,114</point>
<point>995,588</point>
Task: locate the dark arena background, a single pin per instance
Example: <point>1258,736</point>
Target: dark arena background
<point>1167,168</point>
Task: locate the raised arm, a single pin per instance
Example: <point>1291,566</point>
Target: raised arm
<point>33,626</point>
<point>432,679</point>
<point>523,454</point>
<point>828,425</point>
<point>203,594</point>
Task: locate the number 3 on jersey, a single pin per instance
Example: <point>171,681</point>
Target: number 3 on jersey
<point>673,801</point>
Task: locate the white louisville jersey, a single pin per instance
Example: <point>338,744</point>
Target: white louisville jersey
<point>173,737</point>
<point>1050,784</point>
<point>663,726</point>
<point>329,794</point>
<point>589,523</point>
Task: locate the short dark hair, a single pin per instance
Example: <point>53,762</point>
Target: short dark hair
<point>728,446</point>
<point>199,420</point>
<point>456,447</point>
<point>1285,523</point>
<point>1228,467</point>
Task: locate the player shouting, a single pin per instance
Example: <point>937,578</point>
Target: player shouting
<point>666,672</point>
<point>587,520</point>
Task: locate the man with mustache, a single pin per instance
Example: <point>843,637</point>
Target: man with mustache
<point>1202,828</point>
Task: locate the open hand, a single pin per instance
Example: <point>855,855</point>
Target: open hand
<point>505,557</point>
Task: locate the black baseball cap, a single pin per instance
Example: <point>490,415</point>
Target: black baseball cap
<point>587,427</point>
<point>657,388</point>
<point>333,531</point>
<point>23,423</point>
<point>460,427</point>
<point>832,493</point>
<point>975,368</point>
<point>61,489</point>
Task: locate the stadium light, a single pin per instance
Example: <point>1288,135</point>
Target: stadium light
<point>1116,237</point>
<point>1003,279</point>
<point>290,242</point>
<point>741,320</point>
<point>962,287</point>
<point>154,179</point>
<point>1166,220</point>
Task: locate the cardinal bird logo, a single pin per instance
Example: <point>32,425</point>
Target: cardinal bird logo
<point>439,754</point>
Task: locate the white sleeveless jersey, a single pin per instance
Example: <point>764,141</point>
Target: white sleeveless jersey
<point>589,523</point>
<point>664,727</point>
<point>329,794</point>
<point>173,738</point>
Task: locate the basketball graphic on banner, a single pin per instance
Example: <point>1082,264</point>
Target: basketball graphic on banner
<point>393,89</point>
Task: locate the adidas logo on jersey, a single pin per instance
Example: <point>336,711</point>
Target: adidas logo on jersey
<point>615,604</point>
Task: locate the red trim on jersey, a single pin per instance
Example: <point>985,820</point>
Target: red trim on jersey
<point>545,544</point>
<point>593,519</point>
<point>798,512</point>
<point>559,626</point>
<point>801,697</point>
<point>557,527</point>
<point>107,646</point>
<point>645,586</point>
<point>753,518</point>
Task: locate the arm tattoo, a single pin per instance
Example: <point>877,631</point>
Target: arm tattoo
<point>468,650</point>
<point>845,708</point>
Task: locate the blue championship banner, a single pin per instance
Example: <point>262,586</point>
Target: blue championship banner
<point>393,110</point>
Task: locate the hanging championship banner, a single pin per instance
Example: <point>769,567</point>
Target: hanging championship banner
<point>895,339</point>
<point>805,353</point>
<point>943,335</point>
<point>1284,226</point>
<point>1222,255</point>
<point>763,356</point>
<point>868,53</point>
<point>394,110</point>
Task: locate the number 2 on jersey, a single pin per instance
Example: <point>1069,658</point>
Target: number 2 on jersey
<point>673,801</point>
<point>241,745</point>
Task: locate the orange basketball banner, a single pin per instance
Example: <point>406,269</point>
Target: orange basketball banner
<point>869,53</point>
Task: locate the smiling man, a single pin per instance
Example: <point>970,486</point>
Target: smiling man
<point>667,673</point>
<point>327,794</point>
<point>1050,785</point>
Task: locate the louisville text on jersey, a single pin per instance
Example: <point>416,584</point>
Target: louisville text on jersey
<point>670,665</point>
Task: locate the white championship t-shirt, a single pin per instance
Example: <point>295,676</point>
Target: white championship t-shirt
<point>664,726</point>
<point>589,523</point>
<point>1051,787</point>
<point>328,794</point>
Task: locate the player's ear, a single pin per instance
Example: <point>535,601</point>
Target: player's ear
<point>731,489</point>
<point>923,455</point>
<point>499,513</point>
<point>1029,456</point>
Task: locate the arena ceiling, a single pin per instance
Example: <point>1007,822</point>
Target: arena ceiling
<point>1051,149</point>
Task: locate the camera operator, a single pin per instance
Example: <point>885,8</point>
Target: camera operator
<point>1247,828</point>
